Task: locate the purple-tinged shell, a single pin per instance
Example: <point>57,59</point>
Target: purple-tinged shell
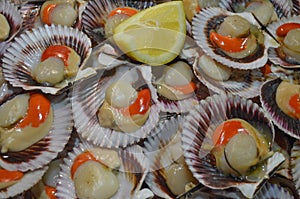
<point>89,94</point>
<point>131,174</point>
<point>42,152</point>
<point>13,16</point>
<point>29,179</point>
<point>284,122</point>
<point>198,127</point>
<point>209,19</point>
<point>295,164</point>
<point>25,53</point>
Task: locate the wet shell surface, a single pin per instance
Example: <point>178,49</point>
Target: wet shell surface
<point>42,152</point>
<point>29,179</point>
<point>274,55</point>
<point>270,191</point>
<point>287,124</point>
<point>198,127</point>
<point>245,83</point>
<point>157,149</point>
<point>89,94</point>
<point>13,16</point>
<point>209,19</point>
<point>282,8</point>
<point>131,173</point>
<point>96,13</point>
<point>25,53</point>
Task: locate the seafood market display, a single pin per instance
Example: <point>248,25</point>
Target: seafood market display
<point>149,99</point>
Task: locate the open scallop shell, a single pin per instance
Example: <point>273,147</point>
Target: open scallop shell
<point>157,150</point>
<point>209,19</point>
<point>270,191</point>
<point>282,8</point>
<point>95,15</point>
<point>29,179</point>
<point>245,83</point>
<point>13,16</point>
<point>131,174</point>
<point>200,123</point>
<point>25,53</point>
<point>287,124</point>
<point>89,94</point>
<point>272,51</point>
<point>45,150</point>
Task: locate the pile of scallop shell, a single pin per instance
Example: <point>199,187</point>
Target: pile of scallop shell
<point>97,124</point>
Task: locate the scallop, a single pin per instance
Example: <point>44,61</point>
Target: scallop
<point>176,86</point>
<point>197,142</point>
<point>249,53</point>
<point>286,54</point>
<point>24,55</point>
<point>95,16</point>
<point>283,121</point>
<point>129,176</point>
<point>10,21</point>
<point>35,152</point>
<point>169,175</point>
<point>222,79</point>
<point>90,108</point>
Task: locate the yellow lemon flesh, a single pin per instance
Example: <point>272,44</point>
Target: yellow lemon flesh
<point>154,36</point>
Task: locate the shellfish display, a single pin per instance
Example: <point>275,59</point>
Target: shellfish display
<point>149,99</point>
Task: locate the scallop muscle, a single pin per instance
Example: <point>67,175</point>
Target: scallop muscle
<point>292,40</point>
<point>234,26</point>
<point>178,74</point>
<point>94,181</point>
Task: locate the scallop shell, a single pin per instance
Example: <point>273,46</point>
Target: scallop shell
<point>282,8</point>
<point>245,83</point>
<point>270,191</point>
<point>13,16</point>
<point>45,150</point>
<point>25,52</point>
<point>89,94</point>
<point>29,179</point>
<point>296,7</point>
<point>156,150</point>
<point>203,120</point>
<point>207,20</point>
<point>282,121</point>
<point>295,164</point>
<point>272,51</point>
<point>131,174</point>
<point>95,15</point>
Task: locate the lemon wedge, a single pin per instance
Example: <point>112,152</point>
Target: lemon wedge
<point>154,36</point>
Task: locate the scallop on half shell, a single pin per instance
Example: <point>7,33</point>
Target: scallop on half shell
<point>13,18</point>
<point>95,15</point>
<point>116,130</point>
<point>254,55</point>
<point>169,176</point>
<point>25,53</point>
<point>222,79</point>
<point>278,55</point>
<point>289,125</point>
<point>45,149</point>
<point>29,179</point>
<point>130,173</point>
<point>197,140</point>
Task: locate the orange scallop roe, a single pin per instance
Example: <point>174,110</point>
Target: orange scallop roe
<point>46,13</point>
<point>294,102</point>
<point>8,176</point>
<point>125,11</point>
<point>38,110</point>
<point>59,51</point>
<point>50,191</point>
<point>225,131</point>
